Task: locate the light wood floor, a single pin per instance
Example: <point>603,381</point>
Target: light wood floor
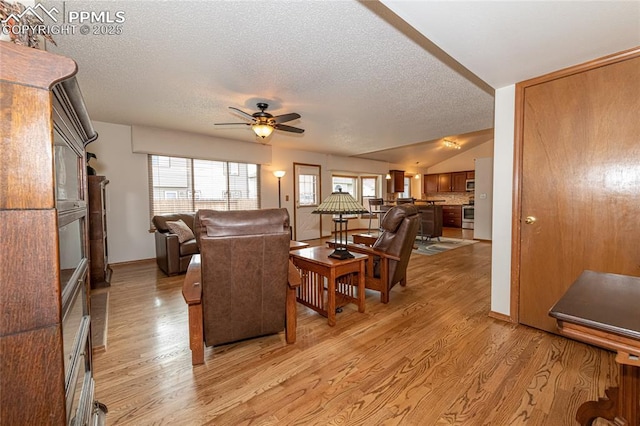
<point>431,356</point>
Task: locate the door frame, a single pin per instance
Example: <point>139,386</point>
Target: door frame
<point>295,196</point>
<point>516,215</point>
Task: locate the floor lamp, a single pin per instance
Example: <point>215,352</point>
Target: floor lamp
<point>279,174</point>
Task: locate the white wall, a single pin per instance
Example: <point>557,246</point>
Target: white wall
<point>502,199</point>
<point>283,159</point>
<point>464,160</point>
<point>151,140</point>
<point>128,193</point>
<point>128,225</point>
<point>483,196</point>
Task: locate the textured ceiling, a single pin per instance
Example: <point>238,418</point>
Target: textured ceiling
<point>359,83</point>
<point>363,79</point>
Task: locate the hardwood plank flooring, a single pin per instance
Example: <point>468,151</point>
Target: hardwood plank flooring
<point>431,356</point>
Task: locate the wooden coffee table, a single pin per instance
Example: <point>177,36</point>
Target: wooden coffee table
<point>604,310</point>
<point>328,282</point>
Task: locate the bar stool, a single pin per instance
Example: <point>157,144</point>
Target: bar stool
<point>375,202</point>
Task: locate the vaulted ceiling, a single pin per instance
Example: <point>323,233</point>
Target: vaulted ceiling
<point>363,79</point>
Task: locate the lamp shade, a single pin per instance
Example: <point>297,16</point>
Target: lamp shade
<point>279,173</point>
<point>262,130</point>
<point>340,203</point>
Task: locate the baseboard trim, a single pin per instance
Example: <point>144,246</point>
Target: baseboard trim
<point>501,317</point>
<point>133,262</point>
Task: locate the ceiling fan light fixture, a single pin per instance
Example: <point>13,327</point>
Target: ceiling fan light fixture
<point>262,130</point>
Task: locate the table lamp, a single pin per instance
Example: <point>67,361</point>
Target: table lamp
<point>339,203</point>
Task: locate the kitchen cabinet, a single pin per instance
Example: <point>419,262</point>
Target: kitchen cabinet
<point>430,183</point>
<point>444,182</point>
<point>447,182</point>
<point>459,182</point>
<point>396,183</point>
<point>452,216</point>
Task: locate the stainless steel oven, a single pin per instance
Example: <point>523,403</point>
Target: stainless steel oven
<point>467,216</point>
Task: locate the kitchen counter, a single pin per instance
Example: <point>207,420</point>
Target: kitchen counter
<point>432,202</point>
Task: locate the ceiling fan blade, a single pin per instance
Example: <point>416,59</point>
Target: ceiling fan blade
<point>231,124</point>
<point>285,117</point>
<point>243,114</point>
<point>286,128</point>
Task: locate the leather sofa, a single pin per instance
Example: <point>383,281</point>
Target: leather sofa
<point>173,256</point>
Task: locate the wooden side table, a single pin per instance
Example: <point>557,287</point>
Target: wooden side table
<point>296,245</point>
<point>366,239</point>
<point>345,280</point>
<point>604,310</point>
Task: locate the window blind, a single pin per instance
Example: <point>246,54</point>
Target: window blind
<point>178,185</point>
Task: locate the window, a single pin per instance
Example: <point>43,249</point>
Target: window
<point>407,188</point>
<point>368,189</point>
<point>345,184</point>
<point>308,190</point>
<point>187,185</point>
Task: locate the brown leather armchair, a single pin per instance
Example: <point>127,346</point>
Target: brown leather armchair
<point>173,256</point>
<point>242,285</point>
<point>389,255</point>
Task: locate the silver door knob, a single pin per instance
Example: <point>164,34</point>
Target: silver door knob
<point>529,220</point>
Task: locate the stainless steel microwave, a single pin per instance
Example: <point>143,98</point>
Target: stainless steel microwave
<point>471,185</point>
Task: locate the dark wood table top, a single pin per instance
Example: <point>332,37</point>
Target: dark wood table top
<point>602,301</point>
<point>320,255</point>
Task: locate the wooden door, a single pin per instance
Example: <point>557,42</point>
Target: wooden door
<point>580,183</point>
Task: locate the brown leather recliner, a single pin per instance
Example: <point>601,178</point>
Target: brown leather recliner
<point>242,284</point>
<point>173,256</point>
<point>389,255</point>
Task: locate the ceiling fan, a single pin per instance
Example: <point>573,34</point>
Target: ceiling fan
<point>263,123</point>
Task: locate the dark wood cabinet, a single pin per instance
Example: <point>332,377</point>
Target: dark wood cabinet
<point>452,216</point>
<point>396,183</point>
<point>430,183</point>
<point>447,182</point>
<point>444,182</point>
<point>459,182</point>
<point>45,339</point>
<point>100,269</point>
